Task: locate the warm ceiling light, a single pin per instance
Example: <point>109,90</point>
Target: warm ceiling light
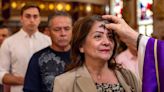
<point>88,8</point>
<point>41,6</point>
<point>107,9</point>
<point>59,7</point>
<point>13,5</point>
<point>22,4</point>
<point>51,6</point>
<point>67,7</point>
<point>81,7</point>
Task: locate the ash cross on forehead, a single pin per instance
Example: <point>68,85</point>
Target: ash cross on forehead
<point>103,25</point>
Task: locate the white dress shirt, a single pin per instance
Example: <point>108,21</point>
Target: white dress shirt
<point>16,52</point>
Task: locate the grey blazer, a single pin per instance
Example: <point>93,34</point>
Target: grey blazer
<point>79,80</point>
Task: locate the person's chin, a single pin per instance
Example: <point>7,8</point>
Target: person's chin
<point>63,45</point>
<point>32,29</point>
<point>105,57</point>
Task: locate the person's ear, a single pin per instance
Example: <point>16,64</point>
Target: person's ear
<point>21,18</point>
<point>81,49</point>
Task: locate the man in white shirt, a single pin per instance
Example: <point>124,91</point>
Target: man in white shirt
<point>17,50</point>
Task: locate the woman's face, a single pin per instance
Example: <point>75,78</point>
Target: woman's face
<point>99,43</point>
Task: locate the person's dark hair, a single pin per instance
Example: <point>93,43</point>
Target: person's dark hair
<point>57,13</point>
<point>3,26</point>
<point>27,6</point>
<point>80,31</point>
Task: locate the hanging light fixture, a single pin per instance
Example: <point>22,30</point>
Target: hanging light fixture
<point>51,6</point>
<point>59,7</point>
<point>42,6</point>
<point>13,5</point>
<point>67,7</point>
<point>88,8</point>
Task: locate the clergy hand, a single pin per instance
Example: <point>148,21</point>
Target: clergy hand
<point>125,32</point>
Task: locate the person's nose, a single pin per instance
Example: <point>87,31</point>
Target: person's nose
<point>106,41</point>
<point>32,19</point>
<point>63,32</point>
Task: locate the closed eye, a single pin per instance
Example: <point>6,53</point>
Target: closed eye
<point>97,36</point>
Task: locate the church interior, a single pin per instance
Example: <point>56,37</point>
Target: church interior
<point>145,16</point>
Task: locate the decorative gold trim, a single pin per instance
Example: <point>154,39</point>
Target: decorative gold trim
<point>156,64</point>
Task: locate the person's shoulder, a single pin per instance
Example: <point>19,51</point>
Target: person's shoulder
<point>122,57</point>
<point>14,37</point>
<point>66,76</point>
<point>123,53</point>
<point>67,79</point>
<point>42,35</point>
<point>124,71</point>
<point>40,52</point>
<point>127,75</point>
<point>35,59</point>
<point>11,41</point>
<point>130,79</point>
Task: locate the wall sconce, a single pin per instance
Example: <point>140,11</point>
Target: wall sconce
<point>51,7</point>
<point>41,6</point>
<point>13,5</point>
<point>88,8</point>
<point>22,4</point>
<point>59,7</point>
<point>67,7</point>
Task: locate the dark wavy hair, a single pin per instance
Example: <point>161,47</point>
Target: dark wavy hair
<point>29,5</point>
<point>80,31</point>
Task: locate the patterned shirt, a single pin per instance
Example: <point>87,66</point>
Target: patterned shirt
<point>43,67</point>
<point>105,87</point>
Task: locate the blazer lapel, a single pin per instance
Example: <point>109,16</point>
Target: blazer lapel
<point>85,83</point>
<point>122,81</point>
<point>84,80</point>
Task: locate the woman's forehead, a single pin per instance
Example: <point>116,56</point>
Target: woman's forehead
<point>99,25</point>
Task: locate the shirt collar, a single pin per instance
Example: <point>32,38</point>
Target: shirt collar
<point>24,34</point>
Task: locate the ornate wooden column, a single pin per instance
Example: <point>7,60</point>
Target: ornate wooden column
<point>158,17</point>
<point>130,12</point>
<point>5,10</point>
